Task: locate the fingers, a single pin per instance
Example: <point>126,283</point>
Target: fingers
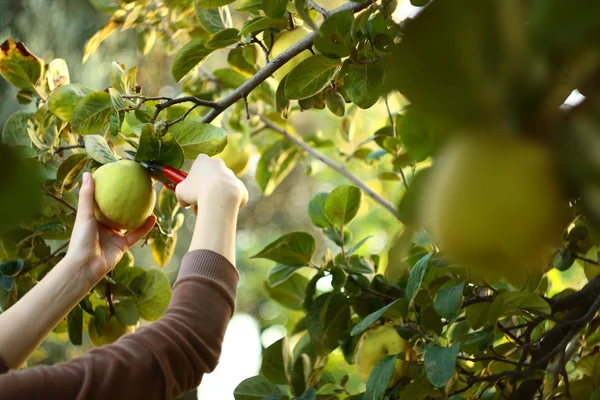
<point>85,208</point>
<point>132,237</point>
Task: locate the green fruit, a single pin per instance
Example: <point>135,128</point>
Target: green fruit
<point>495,204</point>
<point>377,343</point>
<point>336,103</point>
<point>124,195</point>
<point>235,157</point>
<point>111,331</point>
<point>284,41</point>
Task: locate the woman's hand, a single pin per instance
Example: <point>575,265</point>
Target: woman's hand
<point>211,184</point>
<point>94,246</point>
<point>217,196</point>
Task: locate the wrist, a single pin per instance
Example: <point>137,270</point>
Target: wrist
<point>82,270</point>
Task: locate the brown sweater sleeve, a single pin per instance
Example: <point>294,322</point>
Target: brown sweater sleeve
<point>162,360</point>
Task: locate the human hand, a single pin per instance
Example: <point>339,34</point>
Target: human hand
<point>94,246</point>
<point>211,184</point>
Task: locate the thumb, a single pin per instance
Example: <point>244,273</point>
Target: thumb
<point>85,208</point>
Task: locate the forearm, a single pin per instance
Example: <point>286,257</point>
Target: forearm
<point>28,322</point>
<point>216,227</point>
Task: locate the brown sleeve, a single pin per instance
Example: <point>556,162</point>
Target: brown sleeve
<point>162,360</point>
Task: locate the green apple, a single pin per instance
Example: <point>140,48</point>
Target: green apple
<point>284,41</point>
<point>124,195</point>
<point>495,203</point>
<point>377,343</point>
<point>235,157</point>
<point>111,331</point>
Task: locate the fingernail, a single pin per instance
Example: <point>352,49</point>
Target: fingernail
<point>86,178</point>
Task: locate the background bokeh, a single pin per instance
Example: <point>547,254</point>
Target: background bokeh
<point>60,29</point>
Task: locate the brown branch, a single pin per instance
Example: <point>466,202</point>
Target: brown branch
<point>63,148</point>
<point>61,201</point>
<point>335,166</point>
<point>274,65</point>
<point>318,9</point>
<point>192,99</point>
<point>171,123</point>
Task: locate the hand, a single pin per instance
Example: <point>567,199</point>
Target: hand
<point>211,184</point>
<point>94,246</point>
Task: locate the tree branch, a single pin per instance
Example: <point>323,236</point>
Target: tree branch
<point>332,164</point>
<point>185,99</point>
<point>274,65</point>
<point>61,201</point>
<point>63,148</point>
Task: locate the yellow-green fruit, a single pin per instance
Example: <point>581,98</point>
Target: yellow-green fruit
<point>235,157</point>
<point>377,343</point>
<point>124,195</point>
<point>111,331</point>
<point>495,203</point>
<point>282,43</point>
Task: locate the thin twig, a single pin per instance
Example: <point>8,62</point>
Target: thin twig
<point>274,65</point>
<point>319,9</point>
<point>262,46</point>
<point>61,201</point>
<point>332,164</point>
<point>171,123</point>
<point>192,99</point>
<point>49,257</point>
<point>63,148</point>
<point>247,107</point>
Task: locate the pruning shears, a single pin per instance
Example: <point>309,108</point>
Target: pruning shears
<point>169,176</point>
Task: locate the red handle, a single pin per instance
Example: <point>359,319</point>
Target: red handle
<point>174,175</point>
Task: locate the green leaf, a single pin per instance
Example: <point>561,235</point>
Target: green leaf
<point>448,301</point>
<point>97,148</point>
<point>243,59</point>
<point>309,394</point>
<point>374,316</point>
<point>410,202</point>
<point>276,163</point>
<point>75,325</point>
<point>163,248</point>
<point>275,362</point>
<point>342,205</point>
<point>223,38</point>
<point>63,100</point>
<point>18,65</point>
<point>357,246</point>
<point>511,303</point>
<point>155,295</point>
<point>209,19</point>
<point>248,5</point>
<point>477,314</point>
<point>334,38</point>
<point>280,273</point>
<point>440,363</point>
<point>230,78</point>
<point>70,169</point>
<point>281,102</point>
<point>311,76</point>
<point>257,388</point>
<point>294,249</point>
<point>415,278</point>
<point>303,13</point>
<point>7,283</point>
<point>290,293</point>
<point>189,56</point>
<point>275,8</point>
<point>15,129</point>
<point>213,3</point>
<point>11,268</point>
<point>316,210</point>
<point>327,320</point>
<point>92,113</point>
<point>126,312</point>
<point>196,138</point>
<point>380,378</point>
<point>167,204</point>
<point>364,83</point>
<point>261,23</point>
<point>164,149</point>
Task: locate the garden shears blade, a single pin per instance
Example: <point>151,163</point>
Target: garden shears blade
<point>169,176</point>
